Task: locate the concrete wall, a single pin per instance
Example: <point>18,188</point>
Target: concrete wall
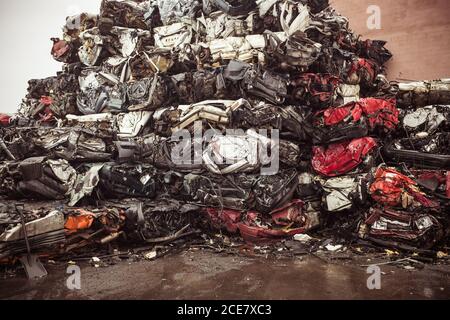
<point>417,31</point>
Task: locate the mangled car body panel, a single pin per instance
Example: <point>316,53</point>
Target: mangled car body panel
<point>339,159</point>
<point>394,189</point>
<point>419,230</point>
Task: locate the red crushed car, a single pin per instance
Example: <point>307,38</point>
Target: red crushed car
<point>341,158</point>
<point>391,188</point>
<point>287,221</point>
<point>378,112</point>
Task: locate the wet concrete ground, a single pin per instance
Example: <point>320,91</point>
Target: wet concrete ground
<point>204,275</point>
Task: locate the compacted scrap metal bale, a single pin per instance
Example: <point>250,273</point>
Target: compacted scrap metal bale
<point>89,159</point>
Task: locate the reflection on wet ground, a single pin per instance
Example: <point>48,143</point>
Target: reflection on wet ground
<point>203,275</point>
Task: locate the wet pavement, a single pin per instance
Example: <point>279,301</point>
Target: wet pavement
<point>204,275</point>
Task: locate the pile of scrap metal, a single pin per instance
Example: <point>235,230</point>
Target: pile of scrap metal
<point>103,136</point>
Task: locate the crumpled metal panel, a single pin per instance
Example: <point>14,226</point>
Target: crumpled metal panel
<point>266,85</point>
<point>53,183</point>
<point>37,177</point>
<point>43,234</point>
<point>286,221</point>
<point>175,11</point>
<point>212,111</point>
<point>243,49</point>
<point>231,7</point>
<point>423,93</point>
<point>344,193</point>
<point>123,41</point>
<point>146,94</point>
<point>63,51</point>
<point>128,181</point>
<point>54,221</point>
<point>339,159</point>
<point>238,153</point>
<point>100,92</point>
<point>85,184</point>
<point>437,181</point>
<point>315,90</point>
<point>77,24</point>
<point>297,52</point>
<point>394,189</point>
<point>219,25</point>
<point>161,221</point>
<point>127,125</point>
<point>363,72</point>
<point>124,13</point>
<point>72,144</point>
<point>174,35</point>
<point>378,113</point>
<point>242,153</point>
<point>419,230</point>
<point>422,150</point>
<point>427,120</point>
<point>348,93</point>
<point>211,192</point>
<point>148,63</point>
<point>290,16</point>
<point>274,191</point>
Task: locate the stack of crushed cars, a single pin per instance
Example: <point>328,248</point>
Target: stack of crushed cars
<point>89,156</point>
